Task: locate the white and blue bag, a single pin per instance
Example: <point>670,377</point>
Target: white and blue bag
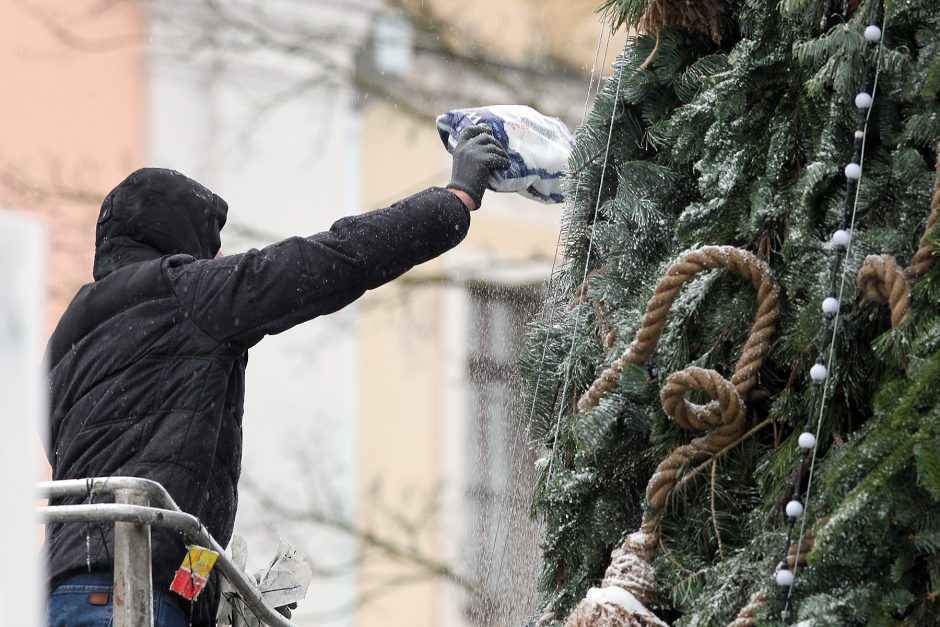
<point>538,147</point>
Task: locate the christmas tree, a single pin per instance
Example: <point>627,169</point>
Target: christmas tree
<point>735,429</point>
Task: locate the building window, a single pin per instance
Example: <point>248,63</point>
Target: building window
<point>501,540</point>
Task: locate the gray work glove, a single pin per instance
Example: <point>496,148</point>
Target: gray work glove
<point>476,154</point>
<point>285,610</point>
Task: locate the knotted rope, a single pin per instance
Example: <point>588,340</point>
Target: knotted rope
<point>881,279</point>
<point>630,576</point>
<point>725,429</point>
<point>688,265</point>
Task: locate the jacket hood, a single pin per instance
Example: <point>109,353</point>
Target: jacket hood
<point>156,212</point>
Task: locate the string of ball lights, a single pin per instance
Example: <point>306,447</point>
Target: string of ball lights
<point>841,242</point>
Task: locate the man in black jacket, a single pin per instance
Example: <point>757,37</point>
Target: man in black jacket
<point>147,365</point>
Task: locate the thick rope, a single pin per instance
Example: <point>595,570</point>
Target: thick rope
<point>747,617</point>
<point>796,556</point>
<point>630,569</point>
<point>926,253</point>
<point>724,430</point>
<point>688,265</point>
<point>881,279</point>
<point>628,586</point>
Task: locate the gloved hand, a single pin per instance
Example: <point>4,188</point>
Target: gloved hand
<point>477,153</point>
<point>285,610</point>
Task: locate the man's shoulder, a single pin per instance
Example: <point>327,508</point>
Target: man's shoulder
<point>100,301</point>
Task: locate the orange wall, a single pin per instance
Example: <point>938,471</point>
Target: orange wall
<point>72,124</point>
<point>72,88</point>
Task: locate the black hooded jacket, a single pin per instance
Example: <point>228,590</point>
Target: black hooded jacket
<point>147,365</point>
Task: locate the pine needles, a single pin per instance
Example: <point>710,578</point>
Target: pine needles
<point>743,142</point>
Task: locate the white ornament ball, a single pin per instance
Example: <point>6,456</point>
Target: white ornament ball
<point>863,100</point>
<point>794,509</point>
<point>806,440</point>
<point>830,305</point>
<point>853,171</point>
<point>872,33</point>
<point>784,578</point>
<point>818,373</point>
<point>841,238</point>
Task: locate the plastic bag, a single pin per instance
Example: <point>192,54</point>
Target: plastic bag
<point>538,147</point>
<point>284,581</point>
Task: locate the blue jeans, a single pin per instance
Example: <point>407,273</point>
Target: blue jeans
<point>71,604</point>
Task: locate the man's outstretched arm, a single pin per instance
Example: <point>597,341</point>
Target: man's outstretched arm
<point>246,296</point>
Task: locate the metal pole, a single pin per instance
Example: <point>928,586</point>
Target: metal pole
<point>62,488</point>
<point>133,586</point>
<point>187,524</point>
<point>168,516</point>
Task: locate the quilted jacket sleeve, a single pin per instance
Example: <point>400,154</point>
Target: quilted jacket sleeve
<point>241,298</point>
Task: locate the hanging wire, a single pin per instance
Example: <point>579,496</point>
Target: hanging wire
<point>597,88</point>
<point>835,323</point>
<point>91,500</point>
<point>569,208</point>
<point>90,489</point>
<point>553,284</point>
<point>577,325</point>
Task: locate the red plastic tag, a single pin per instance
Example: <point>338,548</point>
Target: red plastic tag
<point>192,575</point>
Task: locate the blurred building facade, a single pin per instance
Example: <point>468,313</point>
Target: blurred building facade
<point>386,441</point>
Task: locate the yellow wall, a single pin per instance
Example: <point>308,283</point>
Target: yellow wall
<point>397,430</point>
<point>525,29</point>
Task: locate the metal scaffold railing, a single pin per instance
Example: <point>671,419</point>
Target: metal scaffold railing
<point>133,514</point>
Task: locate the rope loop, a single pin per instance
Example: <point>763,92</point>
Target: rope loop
<point>654,320</point>
<point>726,408</point>
<point>723,418</point>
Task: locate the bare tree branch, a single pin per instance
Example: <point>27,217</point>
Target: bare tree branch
<point>372,594</point>
<point>212,26</point>
<point>72,39</point>
<point>22,189</point>
<point>411,555</point>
